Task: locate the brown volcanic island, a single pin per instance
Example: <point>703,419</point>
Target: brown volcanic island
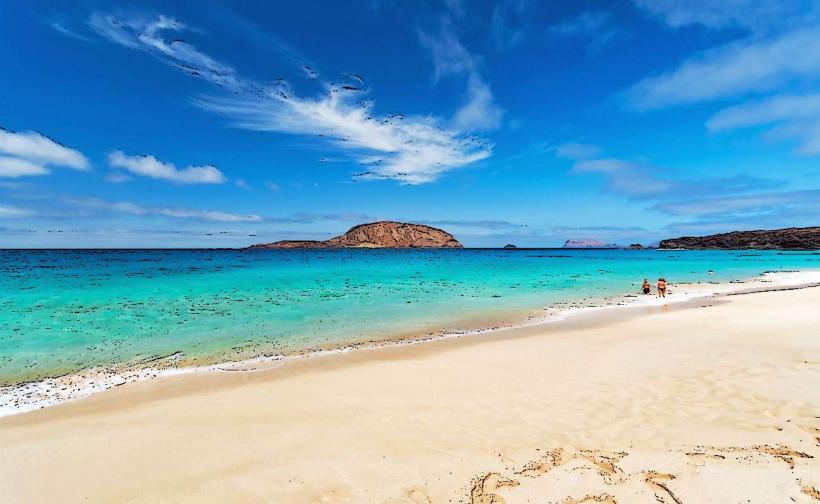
<point>384,234</point>
<point>775,239</point>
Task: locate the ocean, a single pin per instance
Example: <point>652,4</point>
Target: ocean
<point>65,311</point>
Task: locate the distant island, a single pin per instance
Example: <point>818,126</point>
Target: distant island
<point>582,244</point>
<point>807,238</point>
<point>383,234</point>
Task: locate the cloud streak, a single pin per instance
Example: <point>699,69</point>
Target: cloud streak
<point>95,205</point>
<point>409,149</point>
<point>795,116</point>
<point>748,66</point>
<point>733,204</point>
<point>479,112</point>
<point>702,197</point>
<point>752,15</point>
<point>12,212</point>
<point>151,167</point>
<point>31,153</point>
<point>150,35</point>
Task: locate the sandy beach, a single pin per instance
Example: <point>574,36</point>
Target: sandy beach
<point>717,400</point>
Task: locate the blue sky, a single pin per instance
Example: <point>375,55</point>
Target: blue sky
<point>187,124</point>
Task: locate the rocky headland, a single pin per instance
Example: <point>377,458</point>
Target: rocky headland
<point>774,239</point>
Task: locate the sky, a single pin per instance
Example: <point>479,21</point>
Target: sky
<point>223,124</point>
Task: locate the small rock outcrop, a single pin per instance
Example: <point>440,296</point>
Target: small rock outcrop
<point>510,246</point>
<point>384,234</point>
<point>774,239</point>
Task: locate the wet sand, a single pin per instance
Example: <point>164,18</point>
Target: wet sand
<point>712,401</point>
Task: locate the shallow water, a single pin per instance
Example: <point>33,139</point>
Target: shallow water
<point>65,311</point>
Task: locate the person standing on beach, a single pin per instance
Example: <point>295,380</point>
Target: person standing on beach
<point>661,287</point>
<point>646,288</point>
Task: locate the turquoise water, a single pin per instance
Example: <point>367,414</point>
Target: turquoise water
<point>64,311</point>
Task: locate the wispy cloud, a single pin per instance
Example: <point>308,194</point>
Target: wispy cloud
<point>61,28</point>
<point>795,116</point>
<point>12,212</point>
<point>779,54</point>
<point>596,27</point>
<point>706,204</point>
<point>642,182</point>
<point>150,34</point>
<point>128,208</point>
<point>790,213</point>
<point>413,150</point>
<point>575,150</point>
<point>741,203</point>
<point>472,223</point>
<point>509,22</point>
<point>748,66</point>
<point>31,153</point>
<point>151,167</point>
<point>479,110</point>
<point>410,149</point>
<point>752,15</point>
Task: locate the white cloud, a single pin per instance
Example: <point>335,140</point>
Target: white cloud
<point>11,167</point>
<point>30,153</point>
<point>479,112</point>
<point>605,165</point>
<point>774,109</point>
<point>412,150</point>
<point>625,177</point>
<point>272,186</point>
<point>450,57</point>
<point>149,166</point>
<point>752,15</point>
<point>128,208</point>
<point>10,212</point>
<point>574,150</point>
<point>148,34</point>
<point>796,116</point>
<point>744,67</point>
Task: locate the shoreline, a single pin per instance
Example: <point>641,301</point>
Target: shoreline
<point>712,400</point>
<point>36,395</point>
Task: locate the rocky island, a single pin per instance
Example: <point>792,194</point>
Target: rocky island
<point>384,234</point>
<point>588,244</point>
<point>775,239</point>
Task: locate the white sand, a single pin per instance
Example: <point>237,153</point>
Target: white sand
<point>700,405</point>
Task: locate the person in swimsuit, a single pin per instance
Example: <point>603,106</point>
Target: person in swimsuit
<point>646,288</point>
<point>661,287</point>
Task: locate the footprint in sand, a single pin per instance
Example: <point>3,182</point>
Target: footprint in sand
<point>418,495</point>
<point>483,490</point>
<point>656,481</point>
<point>590,499</point>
